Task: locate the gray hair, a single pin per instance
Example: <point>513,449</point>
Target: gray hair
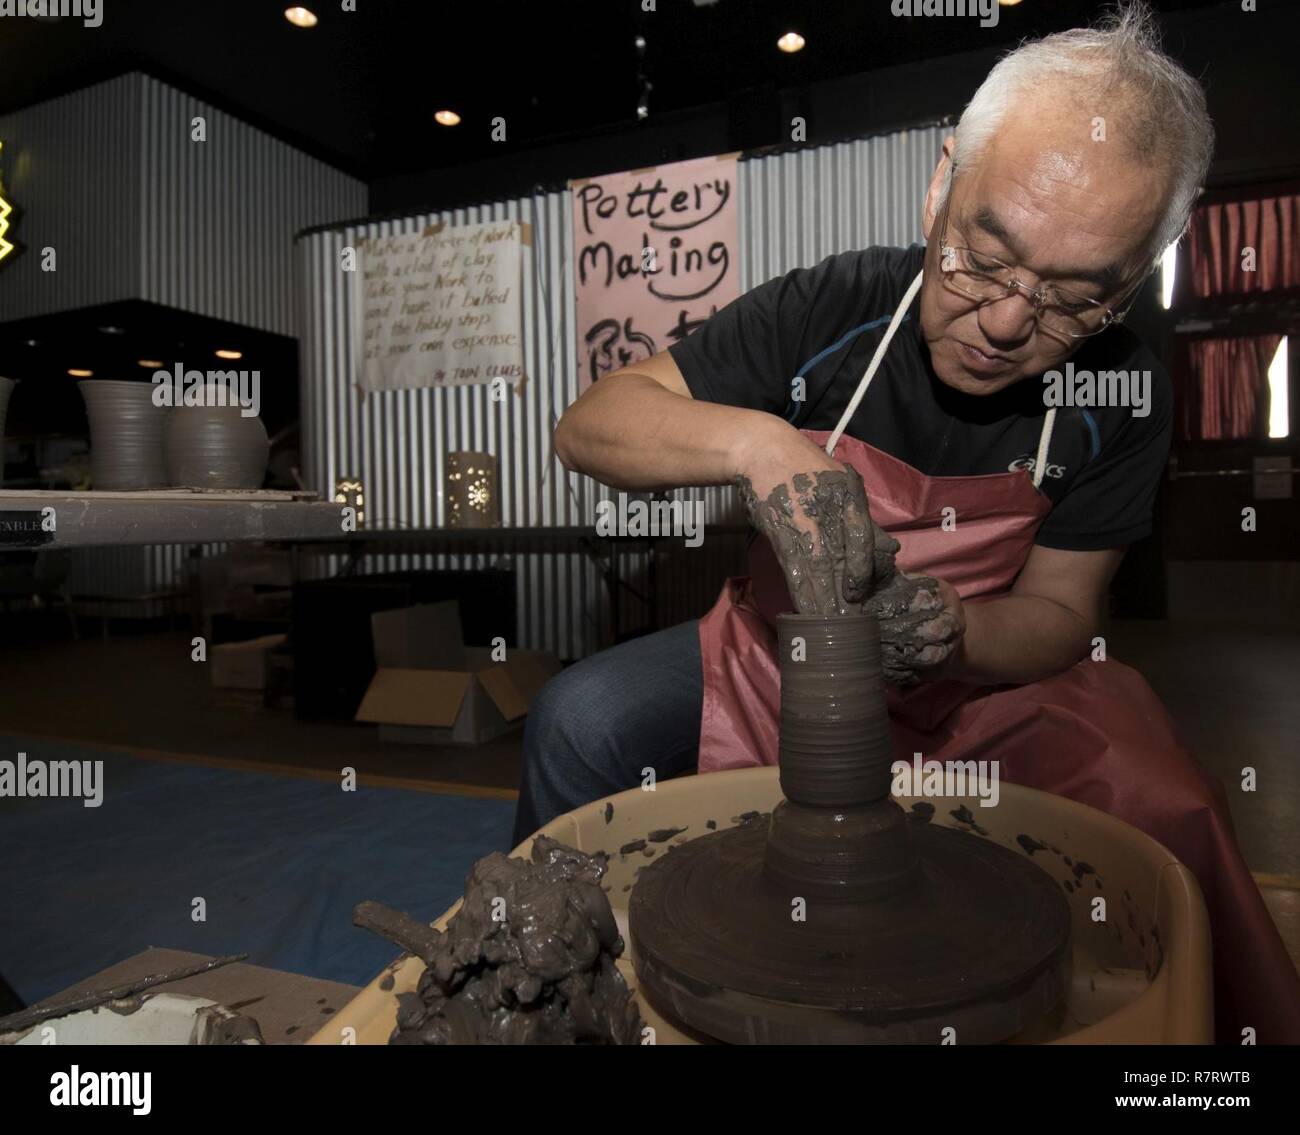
<point>1161,105</point>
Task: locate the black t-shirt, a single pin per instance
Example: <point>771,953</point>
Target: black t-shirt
<point>824,324</point>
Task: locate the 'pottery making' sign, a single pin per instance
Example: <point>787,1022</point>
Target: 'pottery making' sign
<point>654,257</point>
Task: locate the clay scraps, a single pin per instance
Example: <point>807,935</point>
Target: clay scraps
<point>527,959</point>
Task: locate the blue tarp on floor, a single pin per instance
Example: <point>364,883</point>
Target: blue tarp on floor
<point>280,862</point>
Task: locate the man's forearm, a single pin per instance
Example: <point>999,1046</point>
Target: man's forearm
<point>631,433</point>
<point>1018,639</point>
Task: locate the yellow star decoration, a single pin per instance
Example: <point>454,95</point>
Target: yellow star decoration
<point>5,209</point>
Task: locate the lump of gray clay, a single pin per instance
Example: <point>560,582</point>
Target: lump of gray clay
<point>528,959</point>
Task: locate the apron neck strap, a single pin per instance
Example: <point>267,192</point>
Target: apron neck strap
<point>1049,419</point>
<point>1044,440</point>
<point>874,365</point>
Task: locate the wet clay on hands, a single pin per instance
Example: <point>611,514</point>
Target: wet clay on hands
<point>528,958</point>
<point>829,569</point>
<point>916,630</point>
<point>845,566</point>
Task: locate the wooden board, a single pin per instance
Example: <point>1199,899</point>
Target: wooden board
<point>163,494</point>
<point>125,519</point>
<point>288,1007</point>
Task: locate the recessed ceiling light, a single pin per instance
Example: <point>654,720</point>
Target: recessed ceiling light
<point>111,330</point>
<point>300,17</point>
<point>81,373</point>
<point>446,118</point>
<point>791,42</point>
<point>228,354</point>
<point>152,364</point>
<point>31,342</point>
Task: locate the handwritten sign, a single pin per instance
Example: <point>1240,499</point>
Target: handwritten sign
<point>655,256</point>
<point>441,308</point>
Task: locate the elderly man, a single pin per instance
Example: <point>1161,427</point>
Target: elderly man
<point>1075,164</point>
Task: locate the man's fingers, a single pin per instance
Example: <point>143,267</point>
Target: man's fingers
<point>918,631</point>
<point>941,629</point>
<point>886,548</point>
<point>859,539</point>
<point>933,655</point>
<point>903,595</point>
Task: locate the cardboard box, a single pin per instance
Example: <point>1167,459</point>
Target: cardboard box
<point>432,689</point>
<point>424,637</point>
<point>333,640</point>
<point>243,665</point>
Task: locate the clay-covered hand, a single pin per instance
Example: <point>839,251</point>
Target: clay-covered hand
<point>868,548</point>
<point>820,527</point>
<point>921,624</point>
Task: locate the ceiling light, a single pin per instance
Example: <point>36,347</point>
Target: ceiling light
<point>791,42</point>
<point>446,118</point>
<point>300,17</point>
<point>228,354</point>
<point>110,330</point>
<point>1008,3</point>
<point>81,373</point>
<point>31,342</point>
<point>152,364</point>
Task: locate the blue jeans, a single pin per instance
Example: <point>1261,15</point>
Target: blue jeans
<point>594,727</point>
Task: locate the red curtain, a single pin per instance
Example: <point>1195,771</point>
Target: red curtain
<point>1226,395</point>
<point>1220,233</point>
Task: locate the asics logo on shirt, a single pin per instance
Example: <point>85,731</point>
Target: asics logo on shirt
<point>1030,464</point>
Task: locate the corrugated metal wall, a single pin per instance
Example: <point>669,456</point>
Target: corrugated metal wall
<point>72,171</point>
<point>217,221</point>
<point>796,208</point>
<point>110,177</point>
<point>217,218</point>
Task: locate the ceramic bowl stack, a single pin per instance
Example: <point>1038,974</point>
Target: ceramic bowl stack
<point>126,431</point>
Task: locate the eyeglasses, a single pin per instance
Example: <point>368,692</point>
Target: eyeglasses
<point>1056,310</point>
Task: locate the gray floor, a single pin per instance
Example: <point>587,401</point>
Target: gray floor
<point>1231,689</point>
<point>143,692</point>
<point>1233,692</point>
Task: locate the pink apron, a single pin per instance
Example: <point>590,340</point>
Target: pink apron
<point>1095,733</point>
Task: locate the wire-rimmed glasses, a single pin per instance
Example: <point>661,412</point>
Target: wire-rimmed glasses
<point>1057,310</point>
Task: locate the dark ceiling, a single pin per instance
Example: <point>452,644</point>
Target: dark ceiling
<point>360,88</point>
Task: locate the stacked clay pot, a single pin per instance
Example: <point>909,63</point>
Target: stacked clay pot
<point>125,435</point>
<point>214,447</point>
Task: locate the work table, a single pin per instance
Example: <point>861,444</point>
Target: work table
<point>161,516</point>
